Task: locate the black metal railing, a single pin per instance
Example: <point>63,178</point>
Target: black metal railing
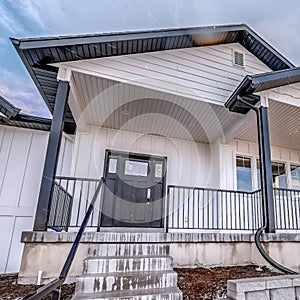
<point>213,209</point>
<point>186,207</point>
<point>54,286</point>
<point>287,209</point>
<point>70,200</point>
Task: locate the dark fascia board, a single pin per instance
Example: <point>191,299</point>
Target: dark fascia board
<point>278,78</point>
<point>33,122</point>
<point>16,44</point>
<point>262,82</point>
<point>8,109</point>
<point>44,42</point>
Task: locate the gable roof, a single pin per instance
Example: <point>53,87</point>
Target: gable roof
<point>12,116</point>
<point>258,83</point>
<point>38,53</point>
<point>7,108</point>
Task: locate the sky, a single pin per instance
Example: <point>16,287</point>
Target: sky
<point>277,21</point>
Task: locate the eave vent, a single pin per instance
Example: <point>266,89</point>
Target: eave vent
<point>238,59</point>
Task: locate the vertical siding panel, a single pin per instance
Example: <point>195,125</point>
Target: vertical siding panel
<point>15,253</point>
<point>34,170</point>
<point>25,167</point>
<point>16,161</point>
<point>6,225</point>
<point>4,155</point>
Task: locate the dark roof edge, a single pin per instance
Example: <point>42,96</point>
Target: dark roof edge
<point>259,83</point>
<point>32,75</point>
<point>155,32</point>
<point>42,42</point>
<point>8,109</point>
<point>245,84</point>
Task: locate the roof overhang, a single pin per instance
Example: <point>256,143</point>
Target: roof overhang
<point>259,83</point>
<point>38,53</point>
<point>7,108</point>
<point>12,116</point>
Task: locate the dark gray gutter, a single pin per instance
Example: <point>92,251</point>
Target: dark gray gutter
<point>258,83</point>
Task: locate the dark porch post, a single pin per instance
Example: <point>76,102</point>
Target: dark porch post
<point>266,168</point>
<point>41,216</point>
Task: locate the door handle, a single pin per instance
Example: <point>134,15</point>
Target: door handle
<point>148,194</point>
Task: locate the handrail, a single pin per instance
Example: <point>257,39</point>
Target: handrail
<point>76,178</point>
<point>211,189</point>
<point>56,283</point>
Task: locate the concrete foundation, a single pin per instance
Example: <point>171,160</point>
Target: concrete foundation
<point>46,251</point>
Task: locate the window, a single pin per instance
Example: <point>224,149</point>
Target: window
<point>136,168</point>
<point>295,176</point>
<point>243,173</point>
<point>278,175</point>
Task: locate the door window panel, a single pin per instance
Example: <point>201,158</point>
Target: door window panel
<point>136,168</point>
<point>158,170</point>
<point>295,176</point>
<point>243,172</point>
<point>112,166</point>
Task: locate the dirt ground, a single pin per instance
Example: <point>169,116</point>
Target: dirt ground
<point>196,284</point>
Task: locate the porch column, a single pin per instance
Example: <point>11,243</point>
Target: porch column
<point>266,168</point>
<point>41,216</point>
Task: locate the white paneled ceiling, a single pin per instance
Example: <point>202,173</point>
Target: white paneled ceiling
<point>284,126</point>
<point>111,104</point>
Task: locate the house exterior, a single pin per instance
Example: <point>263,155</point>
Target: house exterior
<point>23,141</point>
<point>195,132</point>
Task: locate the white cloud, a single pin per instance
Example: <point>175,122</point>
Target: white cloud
<point>30,10</point>
<point>8,21</point>
<point>15,89</point>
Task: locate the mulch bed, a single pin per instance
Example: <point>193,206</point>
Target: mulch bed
<point>196,284</point>
<point>210,283</point>
<point>9,289</point>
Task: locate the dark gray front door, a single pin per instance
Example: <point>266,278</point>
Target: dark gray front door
<point>134,192</point>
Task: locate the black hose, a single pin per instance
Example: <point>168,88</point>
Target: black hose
<point>269,259</point>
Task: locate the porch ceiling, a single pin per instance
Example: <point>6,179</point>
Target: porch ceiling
<point>284,126</point>
<point>106,103</point>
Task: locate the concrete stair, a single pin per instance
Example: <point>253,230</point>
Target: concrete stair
<point>128,271</point>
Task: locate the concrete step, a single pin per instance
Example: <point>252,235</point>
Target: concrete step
<point>172,293</point>
<point>108,264</point>
<point>128,249</point>
<point>90,283</point>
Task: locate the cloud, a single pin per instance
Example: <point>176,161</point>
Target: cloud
<point>30,10</point>
<point>15,89</point>
<point>8,21</point>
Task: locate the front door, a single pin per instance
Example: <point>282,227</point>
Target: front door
<point>134,190</point>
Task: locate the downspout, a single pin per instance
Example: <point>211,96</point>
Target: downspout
<point>260,230</point>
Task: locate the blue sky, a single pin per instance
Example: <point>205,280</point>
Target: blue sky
<point>275,20</point>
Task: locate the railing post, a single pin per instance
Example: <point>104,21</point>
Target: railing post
<point>51,160</point>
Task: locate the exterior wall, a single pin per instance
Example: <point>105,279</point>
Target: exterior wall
<point>22,154</point>
<point>202,73</point>
<point>186,249</point>
<point>188,163</point>
<point>237,147</point>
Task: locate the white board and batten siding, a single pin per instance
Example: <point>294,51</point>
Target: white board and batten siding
<point>22,154</point>
<point>202,73</point>
<point>250,149</point>
<point>183,157</point>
